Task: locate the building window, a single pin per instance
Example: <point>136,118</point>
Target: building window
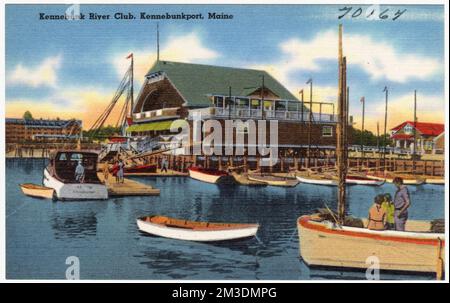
<point>218,101</point>
<point>327,131</point>
<point>408,129</point>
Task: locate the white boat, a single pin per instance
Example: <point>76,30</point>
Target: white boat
<point>361,180</point>
<point>208,175</point>
<point>407,179</point>
<point>436,181</point>
<point>60,176</point>
<point>317,180</point>
<point>418,249</point>
<point>37,191</point>
<point>273,180</point>
<point>195,231</point>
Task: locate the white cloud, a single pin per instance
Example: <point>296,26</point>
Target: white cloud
<point>44,74</point>
<point>186,48</point>
<point>379,60</point>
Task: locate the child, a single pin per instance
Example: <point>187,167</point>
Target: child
<point>377,215</point>
<point>389,208</point>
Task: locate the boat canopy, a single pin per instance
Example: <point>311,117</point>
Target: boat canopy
<point>153,126</point>
<point>64,163</point>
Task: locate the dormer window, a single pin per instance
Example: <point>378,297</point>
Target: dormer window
<point>408,129</point>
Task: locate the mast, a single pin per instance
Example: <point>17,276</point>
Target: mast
<point>414,132</point>
<point>340,132</point>
<point>157,42</point>
<point>363,101</point>
<point>132,86</point>
<point>385,125</point>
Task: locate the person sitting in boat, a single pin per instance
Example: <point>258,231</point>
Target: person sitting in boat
<point>401,204</point>
<point>377,215</point>
<point>79,172</point>
<point>389,208</point>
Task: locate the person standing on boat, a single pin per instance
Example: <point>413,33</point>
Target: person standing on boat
<point>377,215</point>
<point>389,208</point>
<point>401,203</point>
<point>120,171</point>
<point>79,172</point>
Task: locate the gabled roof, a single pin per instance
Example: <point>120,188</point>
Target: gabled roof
<point>425,128</point>
<point>196,81</point>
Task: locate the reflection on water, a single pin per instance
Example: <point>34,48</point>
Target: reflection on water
<point>41,234</point>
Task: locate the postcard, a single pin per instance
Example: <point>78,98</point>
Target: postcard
<point>232,142</point>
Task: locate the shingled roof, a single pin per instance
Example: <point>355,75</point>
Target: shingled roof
<point>425,128</point>
<point>196,81</point>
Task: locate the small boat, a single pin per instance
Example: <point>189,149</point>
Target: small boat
<point>407,179</point>
<point>436,181</point>
<point>37,191</point>
<point>208,175</point>
<point>135,169</point>
<point>194,230</point>
<point>362,180</point>
<point>316,179</point>
<point>273,180</point>
<point>243,179</point>
<point>60,176</point>
<point>320,179</point>
<point>324,243</point>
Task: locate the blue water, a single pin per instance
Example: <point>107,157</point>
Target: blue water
<point>40,234</point>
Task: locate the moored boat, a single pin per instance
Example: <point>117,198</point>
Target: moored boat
<point>208,175</point>
<point>243,179</point>
<point>60,176</point>
<point>135,169</point>
<point>407,179</point>
<point>316,179</point>
<point>436,181</point>
<point>194,230</point>
<point>361,180</point>
<point>273,180</point>
<point>37,191</point>
<point>324,243</point>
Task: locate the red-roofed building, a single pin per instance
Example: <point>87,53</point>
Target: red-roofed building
<point>403,136</point>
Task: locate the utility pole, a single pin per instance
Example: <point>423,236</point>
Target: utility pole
<point>363,101</point>
<point>229,103</point>
<point>385,126</point>
<point>262,97</point>
<point>303,102</point>
<point>310,120</point>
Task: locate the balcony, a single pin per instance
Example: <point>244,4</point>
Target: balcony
<point>246,113</point>
<point>158,114</point>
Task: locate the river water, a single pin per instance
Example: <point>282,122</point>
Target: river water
<point>40,234</point>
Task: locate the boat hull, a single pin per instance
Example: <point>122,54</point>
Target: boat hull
<point>196,235</point>
<point>208,178</point>
<point>37,191</point>
<point>349,247</point>
<point>364,181</point>
<point>75,191</point>
<point>391,180</point>
<point>326,182</point>
<point>272,181</point>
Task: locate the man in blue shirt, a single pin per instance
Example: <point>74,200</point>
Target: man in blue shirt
<point>401,204</point>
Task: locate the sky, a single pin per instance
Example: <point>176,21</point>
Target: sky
<point>72,68</point>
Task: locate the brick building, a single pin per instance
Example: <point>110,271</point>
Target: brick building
<point>173,90</point>
<point>40,130</point>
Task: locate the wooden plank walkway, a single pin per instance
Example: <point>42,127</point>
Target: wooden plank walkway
<point>128,188</point>
<point>158,173</point>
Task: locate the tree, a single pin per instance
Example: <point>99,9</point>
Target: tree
<point>27,115</point>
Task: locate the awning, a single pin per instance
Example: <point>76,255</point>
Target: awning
<point>154,126</point>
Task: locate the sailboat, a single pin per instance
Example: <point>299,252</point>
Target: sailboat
<point>326,239</point>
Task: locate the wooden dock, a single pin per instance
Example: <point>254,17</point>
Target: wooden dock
<point>128,188</point>
<point>158,173</point>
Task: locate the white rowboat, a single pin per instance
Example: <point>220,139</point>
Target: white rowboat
<point>273,180</point>
<point>195,231</point>
<point>207,175</point>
